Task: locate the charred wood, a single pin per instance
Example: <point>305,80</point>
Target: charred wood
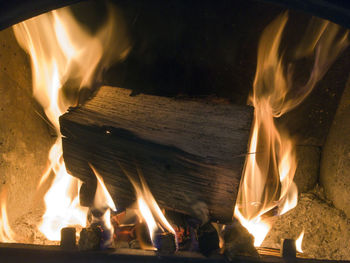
<point>90,238</point>
<point>288,249</point>
<point>188,150</point>
<point>238,242</point>
<point>165,243</point>
<point>68,238</point>
<point>208,239</point>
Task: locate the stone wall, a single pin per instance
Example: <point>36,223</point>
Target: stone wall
<point>25,137</point>
<point>335,164</point>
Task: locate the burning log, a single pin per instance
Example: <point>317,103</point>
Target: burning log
<point>288,250</point>
<point>188,150</point>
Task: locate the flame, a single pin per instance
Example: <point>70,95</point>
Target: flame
<point>61,50</point>
<point>299,242</point>
<point>104,203</point>
<point>62,204</point>
<point>147,216</point>
<point>102,198</point>
<point>154,206</point>
<point>148,207</point>
<point>6,233</point>
<point>267,186</point>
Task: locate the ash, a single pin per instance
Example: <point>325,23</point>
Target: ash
<point>327,229</point>
<point>26,229</point>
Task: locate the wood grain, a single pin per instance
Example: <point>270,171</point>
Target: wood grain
<point>188,150</point>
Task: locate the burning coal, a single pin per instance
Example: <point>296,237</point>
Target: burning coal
<point>267,186</point>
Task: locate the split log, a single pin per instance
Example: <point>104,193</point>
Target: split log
<point>187,150</point>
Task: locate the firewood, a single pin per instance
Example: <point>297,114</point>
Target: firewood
<point>188,150</point>
<point>68,238</point>
<point>288,250</point>
<point>238,242</point>
<point>90,238</point>
<point>165,243</point>
<point>208,239</point>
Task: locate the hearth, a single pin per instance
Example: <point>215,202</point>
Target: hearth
<point>174,131</point>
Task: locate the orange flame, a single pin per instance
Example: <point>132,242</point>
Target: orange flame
<point>299,242</point>
<point>104,203</point>
<point>60,49</point>
<point>149,209</point>
<point>102,198</point>
<point>6,233</point>
<point>267,185</point>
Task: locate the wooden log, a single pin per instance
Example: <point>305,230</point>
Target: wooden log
<point>188,151</point>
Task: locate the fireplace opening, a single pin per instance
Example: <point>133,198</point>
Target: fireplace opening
<point>191,130</point>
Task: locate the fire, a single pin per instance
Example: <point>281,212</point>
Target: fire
<point>62,204</point>
<point>148,207</point>
<point>147,216</point>
<point>60,50</point>
<point>299,242</point>
<point>103,199</point>
<point>6,233</point>
<point>104,203</point>
<point>267,186</point>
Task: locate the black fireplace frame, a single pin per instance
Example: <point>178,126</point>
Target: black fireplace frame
<point>15,11</point>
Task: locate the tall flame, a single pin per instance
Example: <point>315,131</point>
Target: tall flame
<point>267,186</point>
<point>6,233</point>
<point>60,50</point>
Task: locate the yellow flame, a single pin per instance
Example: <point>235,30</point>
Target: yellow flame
<point>267,186</point>
<point>62,205</point>
<point>148,207</point>
<point>104,203</point>
<point>60,49</point>
<point>6,233</point>
<point>299,242</point>
<point>147,216</point>
<point>106,218</point>
<point>153,204</point>
<point>102,198</point>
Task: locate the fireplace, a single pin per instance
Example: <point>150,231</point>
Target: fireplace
<point>127,134</point>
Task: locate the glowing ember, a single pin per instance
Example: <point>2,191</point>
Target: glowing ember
<point>60,49</point>
<point>6,233</point>
<point>299,242</point>
<point>149,209</point>
<point>267,186</point>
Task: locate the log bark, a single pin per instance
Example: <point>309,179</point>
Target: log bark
<point>188,151</point>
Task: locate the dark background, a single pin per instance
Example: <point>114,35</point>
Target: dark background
<point>208,48</point>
